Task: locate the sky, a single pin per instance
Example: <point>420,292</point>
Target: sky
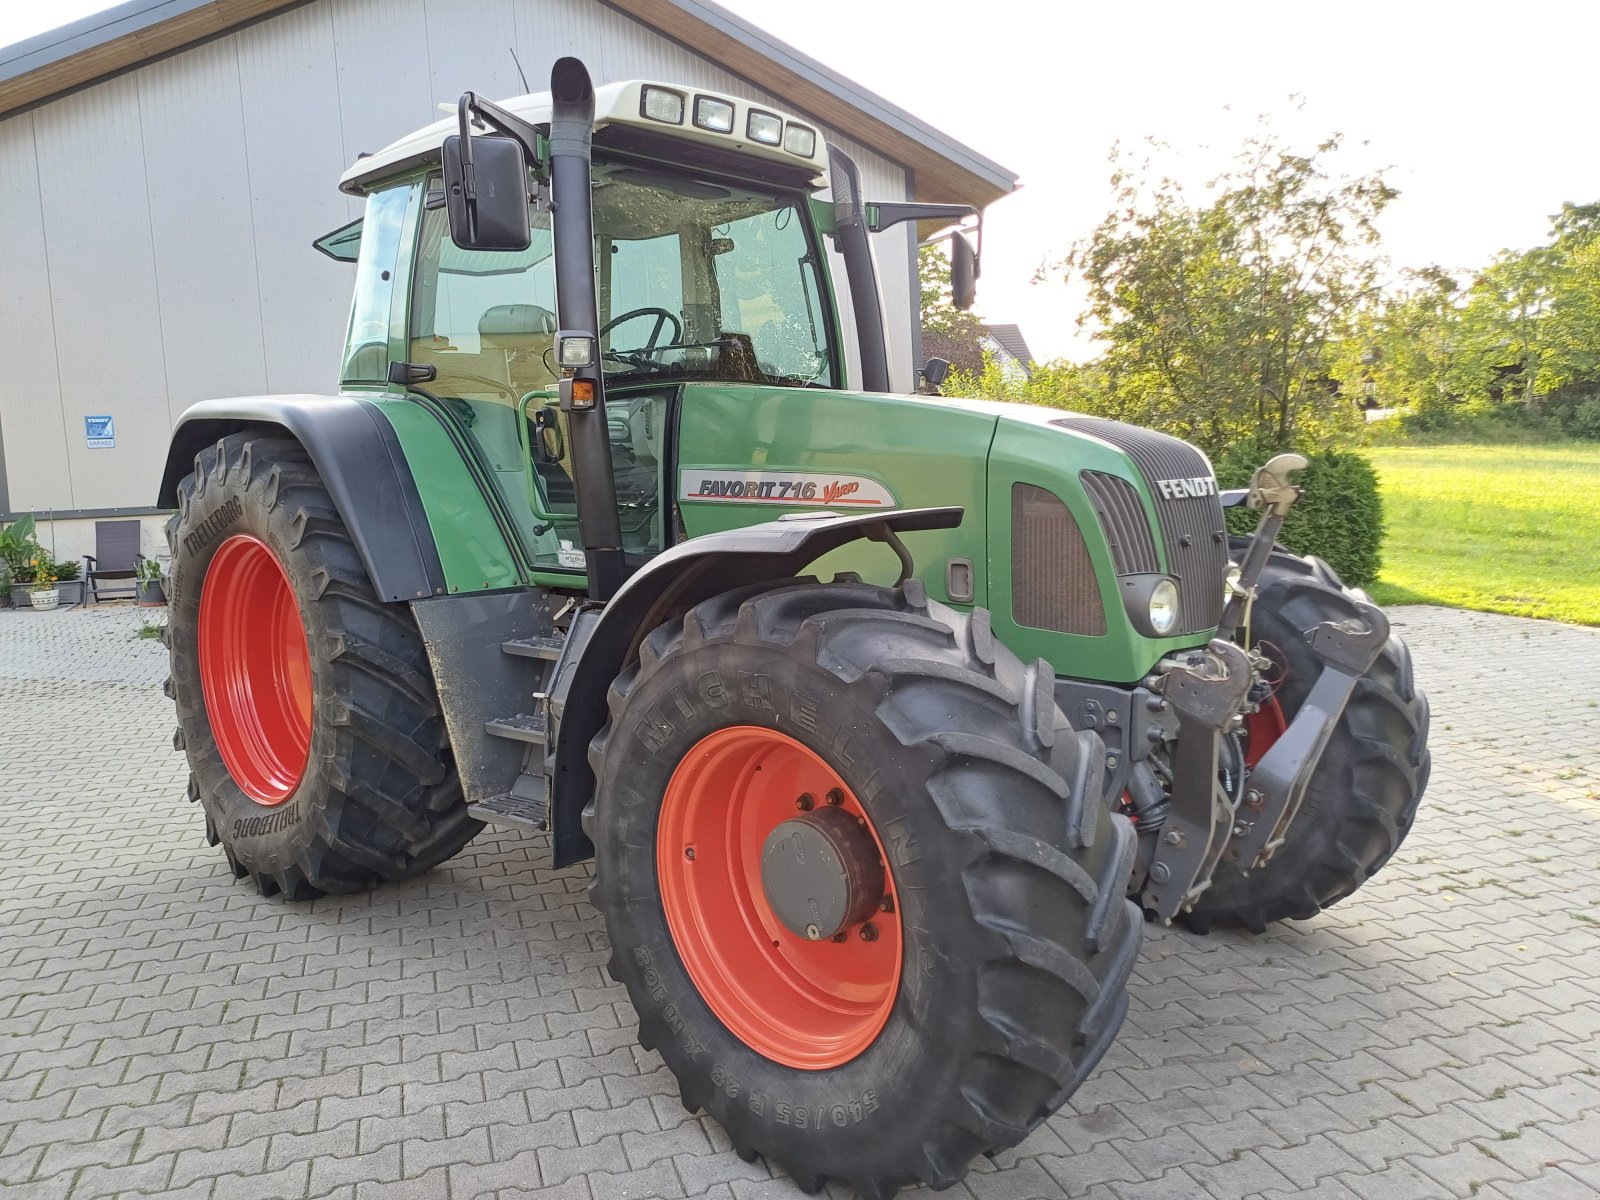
<point>1482,113</point>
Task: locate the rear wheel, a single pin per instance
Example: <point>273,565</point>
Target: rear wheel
<point>1365,791</point>
<point>305,705</point>
<point>857,882</point>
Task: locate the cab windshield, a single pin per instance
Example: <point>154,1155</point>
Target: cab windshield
<point>695,280</point>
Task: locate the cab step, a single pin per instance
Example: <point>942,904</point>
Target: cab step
<point>519,812</point>
<point>524,727</point>
<point>546,647</point>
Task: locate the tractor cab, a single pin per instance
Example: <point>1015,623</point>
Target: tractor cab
<point>707,254</point>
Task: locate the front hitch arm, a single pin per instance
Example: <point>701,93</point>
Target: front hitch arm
<point>1206,696</point>
<point>1273,495</point>
<point>1277,786</point>
<point>1347,649</point>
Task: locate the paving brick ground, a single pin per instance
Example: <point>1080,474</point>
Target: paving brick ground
<point>164,1031</point>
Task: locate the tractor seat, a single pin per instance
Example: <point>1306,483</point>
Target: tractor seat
<point>522,333</point>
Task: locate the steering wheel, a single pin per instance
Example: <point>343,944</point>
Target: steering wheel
<point>662,316</point>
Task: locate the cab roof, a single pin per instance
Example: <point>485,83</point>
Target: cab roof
<point>617,106</point>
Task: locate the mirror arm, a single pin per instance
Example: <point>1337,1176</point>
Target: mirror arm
<point>473,108</point>
<point>889,214</point>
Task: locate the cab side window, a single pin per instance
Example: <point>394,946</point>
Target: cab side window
<point>485,320</point>
<point>366,358</point>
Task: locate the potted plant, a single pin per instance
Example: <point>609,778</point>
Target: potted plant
<point>147,584</point>
<point>42,593</point>
<point>21,581</point>
<point>16,552</point>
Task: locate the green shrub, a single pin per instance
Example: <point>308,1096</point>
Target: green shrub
<point>1340,517</point>
<point>1572,411</point>
<point>1585,421</point>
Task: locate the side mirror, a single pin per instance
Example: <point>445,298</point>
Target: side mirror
<point>963,272</point>
<point>935,371</point>
<point>486,193</point>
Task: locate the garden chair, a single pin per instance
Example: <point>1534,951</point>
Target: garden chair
<point>114,564</point>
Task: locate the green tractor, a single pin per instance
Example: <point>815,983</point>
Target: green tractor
<point>886,719</point>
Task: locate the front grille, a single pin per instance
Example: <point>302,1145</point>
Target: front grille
<point>1122,520</point>
<point>1191,526</point>
<point>1053,585</point>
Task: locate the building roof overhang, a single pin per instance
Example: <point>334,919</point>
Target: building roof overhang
<point>130,35</point>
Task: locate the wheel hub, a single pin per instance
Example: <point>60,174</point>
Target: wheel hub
<point>821,873</point>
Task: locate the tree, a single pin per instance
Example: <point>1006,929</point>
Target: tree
<point>1570,350</point>
<point>1219,315</point>
<point>947,332</point>
<point>1522,340</point>
<point>1410,351</point>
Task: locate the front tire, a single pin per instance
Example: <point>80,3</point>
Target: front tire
<point>305,704</point>
<point>1004,894</point>
<point>1364,793</point>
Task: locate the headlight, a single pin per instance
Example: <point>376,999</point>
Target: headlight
<point>1151,602</point>
<point>661,104</point>
<point>798,139</point>
<point>713,114</point>
<point>1164,607</point>
<point>764,127</point>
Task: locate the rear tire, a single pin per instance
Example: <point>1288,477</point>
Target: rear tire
<point>1009,875</point>
<point>377,798</point>
<point>1363,795</point>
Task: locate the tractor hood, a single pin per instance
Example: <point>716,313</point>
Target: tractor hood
<point>1065,514</point>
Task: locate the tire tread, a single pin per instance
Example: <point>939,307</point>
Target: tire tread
<point>1031,1054</point>
<point>393,806</point>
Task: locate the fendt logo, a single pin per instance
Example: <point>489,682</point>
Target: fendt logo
<point>1184,489</point>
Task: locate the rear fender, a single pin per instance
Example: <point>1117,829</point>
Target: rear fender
<point>668,586</point>
<point>356,452</point>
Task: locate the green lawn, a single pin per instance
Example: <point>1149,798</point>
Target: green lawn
<point>1511,529</point>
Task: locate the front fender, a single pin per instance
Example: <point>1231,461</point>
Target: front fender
<point>669,585</point>
<point>359,458</point>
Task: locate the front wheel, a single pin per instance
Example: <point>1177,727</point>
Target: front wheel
<point>1364,793</point>
<point>857,882</point>
<point>305,704</point>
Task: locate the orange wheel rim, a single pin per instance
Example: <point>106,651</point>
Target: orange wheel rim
<point>1261,729</point>
<point>255,669</point>
<point>810,1004</point>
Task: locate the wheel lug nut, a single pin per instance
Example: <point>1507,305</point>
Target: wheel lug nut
<point>839,937</point>
<point>869,932</point>
<point>835,796</point>
<point>887,904</point>
<point>806,802</point>
<point>688,852</point>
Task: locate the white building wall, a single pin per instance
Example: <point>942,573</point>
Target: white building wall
<point>159,225</point>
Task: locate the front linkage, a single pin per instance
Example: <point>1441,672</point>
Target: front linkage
<point>1209,689</point>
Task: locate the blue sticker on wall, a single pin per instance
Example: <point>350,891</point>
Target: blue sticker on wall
<point>100,433</point>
